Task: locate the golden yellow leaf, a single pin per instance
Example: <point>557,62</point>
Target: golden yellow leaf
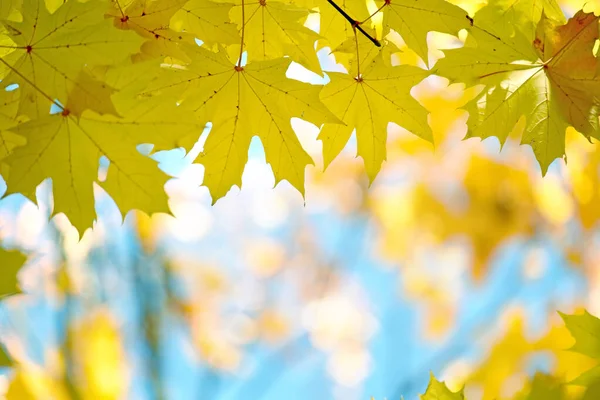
<point>368,103</point>
<point>274,29</point>
<point>51,50</point>
<point>242,102</point>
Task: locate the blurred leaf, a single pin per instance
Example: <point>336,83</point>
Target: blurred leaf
<point>5,360</point>
<point>585,328</point>
<point>583,167</point>
<point>97,345</point>
<point>30,383</point>
<point>499,205</point>
<point>544,387</point>
<point>437,390</point>
<point>10,262</point>
<point>505,360</point>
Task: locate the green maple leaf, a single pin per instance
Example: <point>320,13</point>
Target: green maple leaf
<point>51,50</point>
<point>368,103</point>
<point>242,102</point>
<point>550,80</point>
<point>437,390</point>
<point>585,329</point>
<point>10,263</point>
<point>544,387</point>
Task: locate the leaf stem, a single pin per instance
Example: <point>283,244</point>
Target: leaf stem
<point>372,15</point>
<point>358,77</point>
<point>10,67</point>
<point>120,8</point>
<point>355,24</point>
<point>239,63</point>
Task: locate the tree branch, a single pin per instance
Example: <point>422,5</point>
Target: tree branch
<point>355,24</point>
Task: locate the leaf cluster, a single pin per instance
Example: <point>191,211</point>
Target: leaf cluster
<point>86,80</point>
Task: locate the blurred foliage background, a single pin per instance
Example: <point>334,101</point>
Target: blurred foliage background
<point>454,261</point>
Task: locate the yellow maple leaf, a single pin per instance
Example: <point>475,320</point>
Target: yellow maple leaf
<point>9,104</point>
<point>68,150</point>
<point>335,28</point>
<point>67,146</point>
<point>151,20</point>
<point>368,103</point>
<point>208,21</point>
<point>51,50</point>
<point>242,102</point>
<point>551,79</point>
<point>273,29</point>
<point>414,20</point>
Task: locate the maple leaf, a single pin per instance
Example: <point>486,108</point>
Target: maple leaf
<point>512,16</point>
<point>11,262</point>
<point>242,102</point>
<point>437,390</point>
<point>552,81</point>
<point>67,147</point>
<point>9,104</point>
<point>413,20</point>
<point>51,50</point>
<point>208,21</point>
<point>544,387</point>
<point>359,50</point>
<point>68,150</point>
<point>151,118</point>
<point>151,20</point>
<point>273,29</point>
<point>335,28</point>
<point>6,8</point>
<point>585,329</point>
<point>367,103</point>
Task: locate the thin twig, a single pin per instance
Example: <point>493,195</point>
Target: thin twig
<point>372,15</point>
<point>355,24</point>
<point>358,77</point>
<point>239,64</point>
